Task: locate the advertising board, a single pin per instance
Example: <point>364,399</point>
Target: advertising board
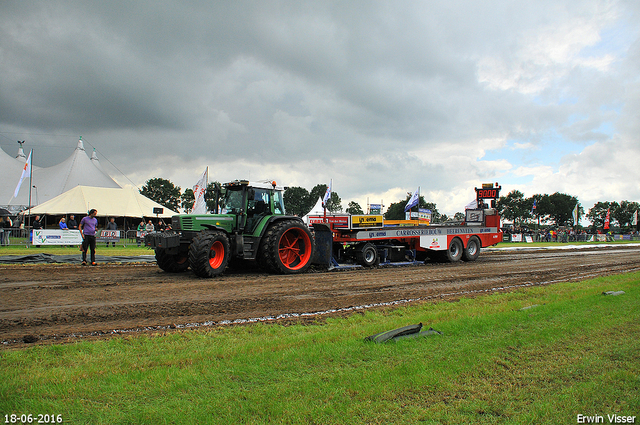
<point>56,237</point>
<point>361,221</point>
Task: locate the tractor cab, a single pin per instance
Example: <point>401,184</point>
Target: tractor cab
<point>251,202</point>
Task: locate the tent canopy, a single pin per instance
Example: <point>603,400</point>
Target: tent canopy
<point>316,210</point>
<point>112,202</point>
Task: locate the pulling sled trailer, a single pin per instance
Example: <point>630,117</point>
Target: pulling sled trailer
<point>367,240</point>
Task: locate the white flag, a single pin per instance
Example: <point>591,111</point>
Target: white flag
<point>26,172</point>
<point>635,218</point>
<point>575,215</point>
<point>471,205</point>
<point>327,194</point>
<point>200,205</point>
<point>413,201</point>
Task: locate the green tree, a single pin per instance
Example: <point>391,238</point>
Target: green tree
<point>187,199</point>
<point>297,201</point>
<point>598,213</point>
<point>459,216</point>
<point>163,192</point>
<point>624,213</point>
<point>558,208</point>
<point>514,207</point>
<point>334,204</point>
<point>396,209</point>
<point>210,195</point>
<point>354,208</point>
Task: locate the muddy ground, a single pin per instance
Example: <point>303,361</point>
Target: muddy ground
<point>60,303</point>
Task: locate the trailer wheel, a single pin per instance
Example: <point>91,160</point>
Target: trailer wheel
<point>209,253</point>
<point>172,263</point>
<point>287,248</point>
<point>367,256</point>
<point>454,253</point>
<point>472,251</point>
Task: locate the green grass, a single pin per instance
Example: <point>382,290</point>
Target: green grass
<point>578,352</point>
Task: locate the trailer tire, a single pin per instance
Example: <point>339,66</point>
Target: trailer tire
<point>454,253</point>
<point>367,255</point>
<point>172,263</point>
<point>286,248</point>
<point>472,251</point>
<point>209,253</point>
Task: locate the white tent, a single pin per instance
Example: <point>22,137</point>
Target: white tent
<point>49,182</point>
<point>316,210</point>
<point>112,202</point>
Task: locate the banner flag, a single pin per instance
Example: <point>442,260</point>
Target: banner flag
<point>533,208</point>
<point>635,218</point>
<point>200,205</point>
<point>327,194</point>
<point>606,219</point>
<point>413,201</point>
<point>26,172</point>
<point>575,215</point>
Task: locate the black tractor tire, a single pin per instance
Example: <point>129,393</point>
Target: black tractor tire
<point>472,251</point>
<point>286,248</point>
<point>367,255</point>
<point>209,253</point>
<point>454,253</point>
<point>172,263</point>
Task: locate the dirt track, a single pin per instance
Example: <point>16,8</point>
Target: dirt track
<point>50,303</point>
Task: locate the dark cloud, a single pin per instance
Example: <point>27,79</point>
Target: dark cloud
<point>381,94</point>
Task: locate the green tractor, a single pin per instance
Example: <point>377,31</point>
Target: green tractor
<point>252,225</point>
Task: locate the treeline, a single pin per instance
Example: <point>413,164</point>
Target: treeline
<point>557,209</point>
<point>298,200</point>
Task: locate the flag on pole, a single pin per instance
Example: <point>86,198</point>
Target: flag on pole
<point>413,201</point>
<point>575,215</point>
<point>327,194</point>
<point>606,219</point>
<point>200,205</point>
<point>533,208</point>
<point>26,172</point>
<point>471,205</point>
<point>635,218</point>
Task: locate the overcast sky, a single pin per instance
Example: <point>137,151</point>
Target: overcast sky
<point>381,97</point>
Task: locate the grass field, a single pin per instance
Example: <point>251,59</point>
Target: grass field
<point>575,351</point>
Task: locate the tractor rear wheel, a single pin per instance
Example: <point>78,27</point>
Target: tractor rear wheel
<point>209,253</point>
<point>286,248</point>
<point>454,253</point>
<point>172,263</point>
<point>472,251</point>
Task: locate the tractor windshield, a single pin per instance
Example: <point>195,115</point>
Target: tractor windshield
<point>232,202</point>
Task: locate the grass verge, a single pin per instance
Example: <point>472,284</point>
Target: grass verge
<point>577,352</point>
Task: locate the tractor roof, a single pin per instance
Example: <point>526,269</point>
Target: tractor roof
<point>265,184</point>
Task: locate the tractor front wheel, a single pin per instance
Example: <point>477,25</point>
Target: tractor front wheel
<point>172,263</point>
<point>209,253</point>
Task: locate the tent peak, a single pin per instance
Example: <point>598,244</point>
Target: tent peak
<point>80,144</point>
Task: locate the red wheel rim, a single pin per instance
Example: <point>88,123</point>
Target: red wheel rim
<point>216,254</point>
<point>294,249</point>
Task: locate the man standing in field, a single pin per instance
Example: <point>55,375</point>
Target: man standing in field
<point>87,228</point>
